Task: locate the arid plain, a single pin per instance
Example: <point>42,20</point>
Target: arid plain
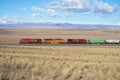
<point>12,36</point>
<point>19,62</point>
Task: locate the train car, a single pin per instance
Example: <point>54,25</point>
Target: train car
<point>96,41</point>
<point>76,41</point>
<point>53,41</point>
<point>24,41</point>
<point>30,41</point>
<point>112,41</point>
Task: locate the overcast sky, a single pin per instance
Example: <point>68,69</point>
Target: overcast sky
<point>60,11</point>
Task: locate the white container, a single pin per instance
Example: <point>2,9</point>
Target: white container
<point>112,41</point>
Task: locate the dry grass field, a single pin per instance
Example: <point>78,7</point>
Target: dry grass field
<point>18,62</point>
<point>12,36</point>
<point>59,62</point>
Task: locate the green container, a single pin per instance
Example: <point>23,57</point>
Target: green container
<point>96,41</point>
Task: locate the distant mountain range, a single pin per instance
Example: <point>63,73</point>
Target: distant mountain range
<point>59,25</point>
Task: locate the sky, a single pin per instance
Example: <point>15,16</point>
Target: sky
<point>60,11</point>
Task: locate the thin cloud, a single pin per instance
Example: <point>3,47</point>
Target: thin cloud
<point>53,13</point>
<point>22,9</point>
<point>54,4</point>
<point>37,9</point>
<point>104,8</point>
<point>36,15</point>
<point>76,5</point>
<point>71,5</point>
<point>66,14</point>
<point>50,11</point>
<point>83,6</point>
<point>10,19</point>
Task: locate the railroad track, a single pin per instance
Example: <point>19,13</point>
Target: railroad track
<point>60,45</point>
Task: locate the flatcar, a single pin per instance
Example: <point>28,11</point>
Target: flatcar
<point>53,41</point>
<point>96,41</point>
<point>76,41</point>
<point>30,41</point>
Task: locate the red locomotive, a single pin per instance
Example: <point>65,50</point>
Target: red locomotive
<point>30,41</point>
<point>77,41</point>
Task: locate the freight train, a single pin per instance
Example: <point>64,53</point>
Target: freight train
<point>69,41</point>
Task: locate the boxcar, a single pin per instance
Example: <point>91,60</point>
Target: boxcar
<point>112,41</point>
<point>53,41</point>
<point>76,41</point>
<point>30,41</point>
<point>96,41</point>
